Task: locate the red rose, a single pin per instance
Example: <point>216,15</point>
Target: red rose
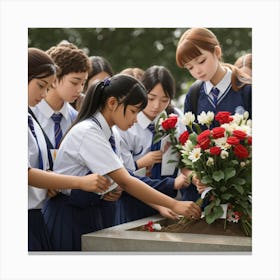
<point>184,137</point>
<point>169,123</point>
<point>215,150</point>
<point>218,132</point>
<point>249,140</point>
<point>204,144</point>
<point>232,140</point>
<point>240,151</point>
<point>223,117</point>
<point>203,135</point>
<point>239,134</point>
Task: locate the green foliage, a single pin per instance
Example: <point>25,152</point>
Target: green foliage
<point>140,47</point>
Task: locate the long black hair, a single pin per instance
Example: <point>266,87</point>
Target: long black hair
<point>126,89</point>
<point>159,75</point>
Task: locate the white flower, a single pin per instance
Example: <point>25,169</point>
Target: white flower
<point>156,226</point>
<point>188,119</point>
<point>242,164</point>
<point>210,161</point>
<point>224,154</point>
<point>222,143</point>
<point>237,118</point>
<point>188,146</point>
<point>246,115</point>
<point>195,154</point>
<point>206,119</point>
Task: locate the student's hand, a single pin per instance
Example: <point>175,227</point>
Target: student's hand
<point>200,187</point>
<point>94,183</point>
<point>52,193</point>
<point>168,213</point>
<point>113,195</point>
<point>181,181</point>
<point>150,159</point>
<point>188,209</point>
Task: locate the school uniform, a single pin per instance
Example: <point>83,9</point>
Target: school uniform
<point>227,100</point>
<point>137,141</point>
<point>38,237</point>
<point>44,112</point>
<point>85,149</point>
<point>130,208</point>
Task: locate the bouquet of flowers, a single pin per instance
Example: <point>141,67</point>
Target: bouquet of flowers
<point>221,157</point>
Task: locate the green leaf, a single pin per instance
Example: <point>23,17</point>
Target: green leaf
<point>215,214</point>
<point>192,138</point>
<point>239,188</point>
<point>229,173</point>
<point>206,179</point>
<point>218,175</point>
<point>240,181</point>
<point>226,196</point>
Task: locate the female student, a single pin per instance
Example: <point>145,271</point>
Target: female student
<point>54,112</point>
<point>86,148</point>
<point>41,74</point>
<point>138,140</point>
<point>222,87</point>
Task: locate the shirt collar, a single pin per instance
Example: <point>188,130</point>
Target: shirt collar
<point>222,85</point>
<point>144,121</point>
<point>48,111</point>
<point>105,127</point>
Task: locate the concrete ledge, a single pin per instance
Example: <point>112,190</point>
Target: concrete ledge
<point>121,239</point>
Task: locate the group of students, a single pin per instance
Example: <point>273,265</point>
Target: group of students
<point>76,157</point>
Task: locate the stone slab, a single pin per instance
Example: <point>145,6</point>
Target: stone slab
<point>121,239</point>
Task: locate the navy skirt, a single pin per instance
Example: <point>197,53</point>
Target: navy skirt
<point>38,237</point>
<point>68,217</point>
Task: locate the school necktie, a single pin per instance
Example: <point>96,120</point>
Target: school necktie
<point>113,143</point>
<point>31,126</point>
<point>156,169</point>
<point>215,93</point>
<point>56,117</point>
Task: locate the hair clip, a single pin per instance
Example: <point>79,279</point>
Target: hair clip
<point>106,82</point>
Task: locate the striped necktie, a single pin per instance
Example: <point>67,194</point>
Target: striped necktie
<point>56,117</point>
<point>156,169</point>
<point>113,142</point>
<point>31,126</point>
<point>215,93</point>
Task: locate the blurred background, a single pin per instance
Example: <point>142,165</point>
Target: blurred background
<point>141,47</point>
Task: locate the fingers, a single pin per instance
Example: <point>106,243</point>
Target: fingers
<point>194,212</point>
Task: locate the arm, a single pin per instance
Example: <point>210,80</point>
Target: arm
<point>147,194</point>
<point>50,180</point>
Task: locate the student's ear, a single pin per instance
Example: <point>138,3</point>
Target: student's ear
<point>54,83</point>
<point>112,103</point>
<point>218,51</point>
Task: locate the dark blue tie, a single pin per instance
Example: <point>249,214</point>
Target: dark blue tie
<point>215,93</point>
<point>156,169</point>
<point>56,117</point>
<point>31,126</point>
<point>113,142</point>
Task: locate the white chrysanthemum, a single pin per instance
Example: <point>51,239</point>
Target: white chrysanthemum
<point>237,118</point>
<point>195,154</point>
<point>188,119</point>
<point>205,118</point>
<point>156,226</point>
<point>242,164</point>
<point>249,123</point>
<point>210,161</point>
<point>224,154</point>
<point>187,147</point>
<point>247,129</point>
<point>222,143</point>
<point>246,115</point>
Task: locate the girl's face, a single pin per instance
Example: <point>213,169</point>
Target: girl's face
<point>157,102</point>
<point>127,120</point>
<point>37,89</point>
<point>71,86</point>
<point>205,66</point>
